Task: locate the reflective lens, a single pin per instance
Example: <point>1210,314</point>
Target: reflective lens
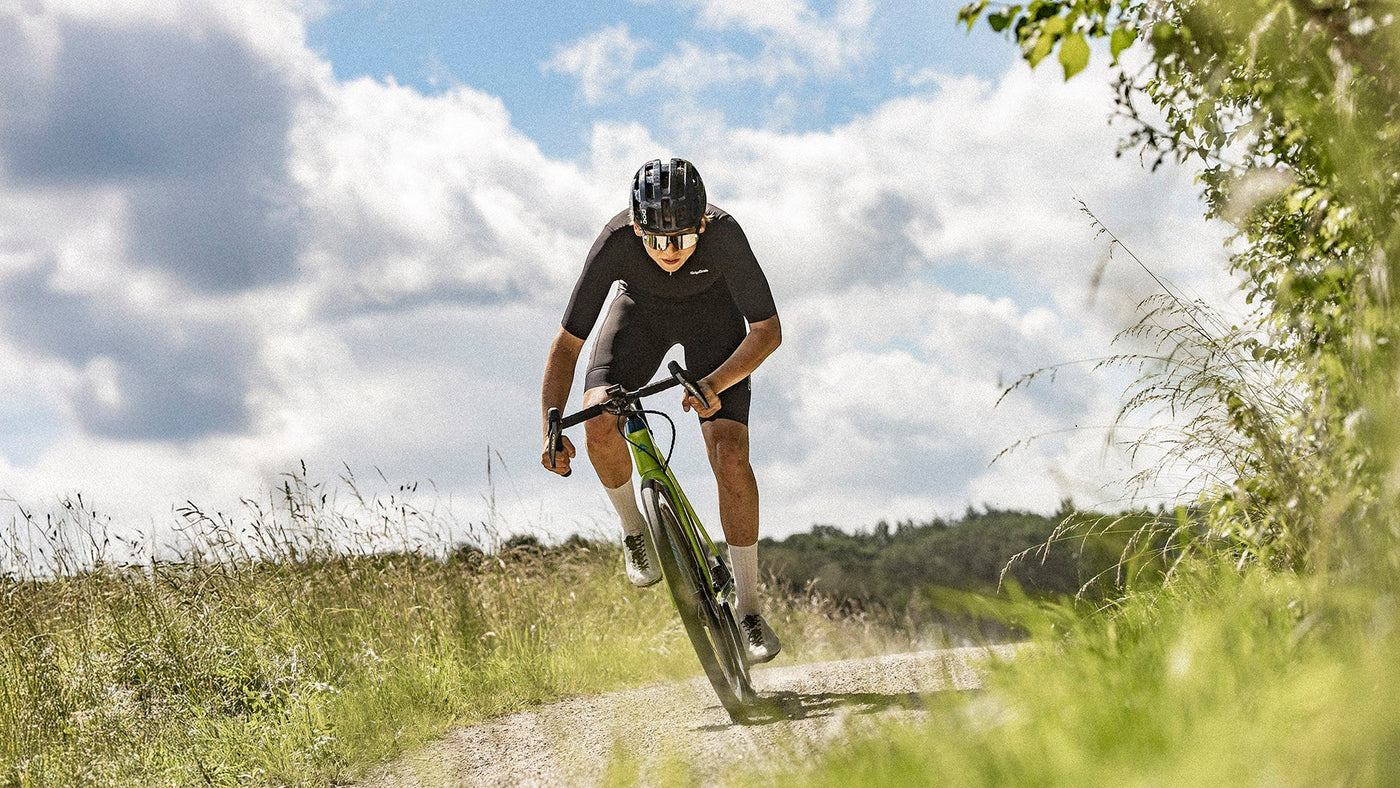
<point>663,242</point>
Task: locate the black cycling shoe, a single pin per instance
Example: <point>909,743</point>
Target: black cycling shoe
<point>760,642</point>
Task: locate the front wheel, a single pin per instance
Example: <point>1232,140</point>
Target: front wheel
<point>708,622</point>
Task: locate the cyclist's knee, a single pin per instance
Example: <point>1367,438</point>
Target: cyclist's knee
<point>728,444</point>
<point>601,432</point>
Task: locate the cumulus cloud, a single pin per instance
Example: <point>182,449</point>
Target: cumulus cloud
<point>413,199</point>
<point>888,400</point>
<point>261,264</point>
<point>825,43</point>
<point>600,61</point>
<point>794,45</point>
<point>215,270</point>
<point>143,179</point>
<point>142,375</point>
<point>973,176</point>
<point>191,124</point>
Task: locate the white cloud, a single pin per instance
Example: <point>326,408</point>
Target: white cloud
<point>413,198</point>
<point>888,393</point>
<point>599,61</point>
<point>824,43</point>
<point>795,45</point>
<point>923,255</point>
<point>691,69</point>
<point>973,176</point>
<point>422,221</point>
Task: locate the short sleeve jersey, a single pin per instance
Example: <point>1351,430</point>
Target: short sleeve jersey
<point>722,258</point>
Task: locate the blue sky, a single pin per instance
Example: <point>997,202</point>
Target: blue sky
<point>505,47</point>
<point>239,235</point>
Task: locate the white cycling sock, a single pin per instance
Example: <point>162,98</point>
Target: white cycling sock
<point>744,560</point>
<point>624,500</point>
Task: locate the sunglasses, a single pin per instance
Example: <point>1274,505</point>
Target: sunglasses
<point>663,242</point>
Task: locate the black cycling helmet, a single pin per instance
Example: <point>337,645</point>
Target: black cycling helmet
<point>667,197</point>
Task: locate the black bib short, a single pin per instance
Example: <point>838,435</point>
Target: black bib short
<point>639,330</point>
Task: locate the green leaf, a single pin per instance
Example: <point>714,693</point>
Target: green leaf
<point>999,20</point>
<point>1039,49</point>
<point>969,13</point>
<point>1074,54</point>
<point>1121,39</point>
<point>1046,9</point>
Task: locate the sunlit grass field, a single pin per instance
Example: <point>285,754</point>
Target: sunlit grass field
<point>291,665</point>
<point>315,669</point>
<point>1221,678</point>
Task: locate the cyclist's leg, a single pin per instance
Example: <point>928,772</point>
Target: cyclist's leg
<point>627,351</point>
<point>727,442</point>
<point>607,450</point>
<point>711,336</point>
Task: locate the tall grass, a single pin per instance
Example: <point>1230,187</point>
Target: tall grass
<point>1223,677</point>
<point>303,671</point>
<point>287,648</point>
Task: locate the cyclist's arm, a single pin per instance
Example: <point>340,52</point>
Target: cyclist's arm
<point>763,338</point>
<point>559,372</point>
<point>554,393</point>
<point>590,291</point>
<point>749,288</point>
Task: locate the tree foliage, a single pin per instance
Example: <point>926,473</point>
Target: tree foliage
<point>910,569</point>
<point>1292,109</point>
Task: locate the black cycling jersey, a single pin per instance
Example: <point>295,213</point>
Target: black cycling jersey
<point>703,306</point>
<point>722,255</point>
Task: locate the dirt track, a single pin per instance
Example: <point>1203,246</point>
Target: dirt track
<point>576,741</point>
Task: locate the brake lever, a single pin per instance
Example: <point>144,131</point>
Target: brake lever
<point>555,438</point>
<point>690,388</point>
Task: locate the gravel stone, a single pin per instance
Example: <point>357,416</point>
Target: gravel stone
<point>576,742</point>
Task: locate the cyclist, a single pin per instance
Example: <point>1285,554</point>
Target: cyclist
<point>689,278</point>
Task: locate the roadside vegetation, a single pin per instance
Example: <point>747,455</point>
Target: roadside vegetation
<point>905,569</point>
<point>1220,677</point>
<point>954,575</point>
<point>279,651</point>
<point>1251,638</point>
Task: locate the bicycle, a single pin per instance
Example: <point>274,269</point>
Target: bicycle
<point>699,579</point>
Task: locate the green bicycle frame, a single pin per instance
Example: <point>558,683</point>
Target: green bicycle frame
<point>651,466</point>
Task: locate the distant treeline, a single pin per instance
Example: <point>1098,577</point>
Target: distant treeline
<point>907,568</point>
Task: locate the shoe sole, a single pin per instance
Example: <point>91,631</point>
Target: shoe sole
<point>760,661</point>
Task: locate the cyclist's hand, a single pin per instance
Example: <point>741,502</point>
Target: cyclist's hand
<point>689,402</point>
<point>561,456</point>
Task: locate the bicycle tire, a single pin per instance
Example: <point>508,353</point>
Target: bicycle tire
<point>708,623</point>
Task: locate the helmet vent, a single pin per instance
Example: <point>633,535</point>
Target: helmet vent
<point>668,197</point>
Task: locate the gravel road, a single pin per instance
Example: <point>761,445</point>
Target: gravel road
<point>574,742</point>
